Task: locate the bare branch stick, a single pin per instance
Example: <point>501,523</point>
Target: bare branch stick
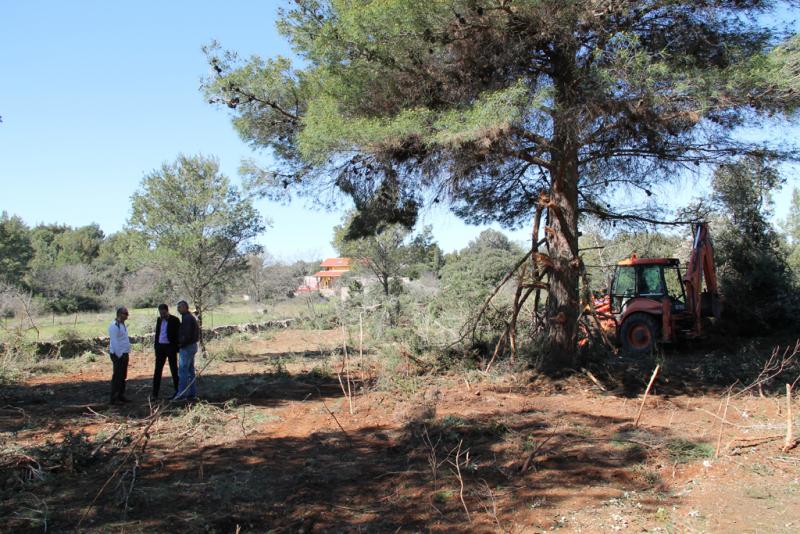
<point>346,435</point>
<point>722,425</point>
<point>646,393</point>
<point>790,442</point>
<point>461,479</point>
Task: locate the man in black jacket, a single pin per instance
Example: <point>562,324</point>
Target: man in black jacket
<point>166,347</point>
<point>188,336</point>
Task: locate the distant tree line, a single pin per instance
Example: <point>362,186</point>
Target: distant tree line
<point>73,268</point>
<point>191,235</point>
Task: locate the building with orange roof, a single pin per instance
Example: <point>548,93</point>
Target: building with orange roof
<point>332,270</point>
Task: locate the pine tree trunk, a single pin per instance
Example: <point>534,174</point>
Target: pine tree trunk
<point>562,291</point>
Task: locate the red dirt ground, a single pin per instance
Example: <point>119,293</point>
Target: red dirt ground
<point>279,461</point>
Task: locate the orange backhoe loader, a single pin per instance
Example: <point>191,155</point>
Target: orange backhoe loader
<point>650,302</point>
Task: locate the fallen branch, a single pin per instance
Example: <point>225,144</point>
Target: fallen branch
<point>536,449</point>
<point>497,348</point>
<point>593,379</point>
<point>752,442</point>
<point>105,441</point>
<point>493,512</point>
<point>153,418</point>
<point>346,435</point>
<point>716,415</point>
<point>777,363</point>
<point>96,414</point>
<point>758,438</point>
<point>497,289</point>
<point>127,493</point>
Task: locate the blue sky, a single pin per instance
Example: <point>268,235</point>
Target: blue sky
<point>96,94</point>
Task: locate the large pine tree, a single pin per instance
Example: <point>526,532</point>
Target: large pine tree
<point>497,105</point>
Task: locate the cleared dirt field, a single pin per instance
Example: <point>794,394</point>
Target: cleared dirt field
<point>272,446</point>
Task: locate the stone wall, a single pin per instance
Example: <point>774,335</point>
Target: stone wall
<point>69,348</point>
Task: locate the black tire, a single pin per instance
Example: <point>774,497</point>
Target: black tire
<point>639,334</point>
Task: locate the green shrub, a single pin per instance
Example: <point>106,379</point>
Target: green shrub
<point>754,275</point>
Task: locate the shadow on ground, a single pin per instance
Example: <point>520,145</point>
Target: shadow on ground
<point>56,406</point>
<point>375,479</point>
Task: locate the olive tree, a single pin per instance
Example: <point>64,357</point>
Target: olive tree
<point>199,226</point>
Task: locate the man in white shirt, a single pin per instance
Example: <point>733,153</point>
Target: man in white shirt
<point>119,348</point>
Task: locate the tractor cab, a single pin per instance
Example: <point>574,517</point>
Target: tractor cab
<point>648,278</point>
<point>646,302</point>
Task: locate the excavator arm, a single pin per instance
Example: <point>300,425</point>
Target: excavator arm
<point>701,267</point>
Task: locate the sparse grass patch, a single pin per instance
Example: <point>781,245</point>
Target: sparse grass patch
<point>761,469</point>
<point>402,386</point>
<point>663,516</point>
<point>48,366</point>
<point>70,334</point>
<point>532,443</point>
<point>399,374</point>
<point>650,477</point>
<point>10,374</point>
<point>211,420</point>
<point>684,451</point>
<point>759,493</point>
<point>443,495</point>
<point>581,430</point>
<point>261,416</point>
<point>228,352</point>
<point>279,369</point>
<point>228,488</point>
<point>452,429</point>
<point>264,335</point>
<point>320,373</point>
<point>452,421</point>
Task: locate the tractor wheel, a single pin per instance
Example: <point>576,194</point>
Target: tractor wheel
<point>639,334</point>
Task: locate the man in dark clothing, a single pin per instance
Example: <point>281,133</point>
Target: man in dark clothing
<point>166,347</point>
<point>188,336</point>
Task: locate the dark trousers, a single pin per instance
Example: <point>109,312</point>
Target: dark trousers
<point>165,353</point>
<point>118,377</point>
